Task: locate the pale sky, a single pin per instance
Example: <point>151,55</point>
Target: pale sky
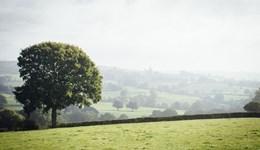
<point>208,35</point>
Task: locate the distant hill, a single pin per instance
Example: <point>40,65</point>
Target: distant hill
<point>170,87</point>
<point>149,88</point>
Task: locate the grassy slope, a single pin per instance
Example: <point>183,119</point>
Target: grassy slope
<point>196,134</point>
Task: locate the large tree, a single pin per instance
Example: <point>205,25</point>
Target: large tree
<point>55,76</point>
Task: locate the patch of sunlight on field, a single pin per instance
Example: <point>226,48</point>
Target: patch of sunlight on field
<point>105,107</point>
<point>219,134</point>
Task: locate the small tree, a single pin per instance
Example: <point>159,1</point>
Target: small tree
<point>122,117</point>
<point>254,105</point>
<point>165,113</point>
<point>169,112</point>
<point>132,105</point>
<point>3,101</point>
<point>55,76</point>
<point>118,104</point>
<point>107,116</point>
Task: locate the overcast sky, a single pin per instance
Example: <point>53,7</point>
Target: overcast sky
<point>139,34</point>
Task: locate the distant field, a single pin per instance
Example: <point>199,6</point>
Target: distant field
<point>163,97</point>
<point>140,112</point>
<point>219,134</point>
<point>170,98</point>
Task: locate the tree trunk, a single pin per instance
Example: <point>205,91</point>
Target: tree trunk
<point>53,117</point>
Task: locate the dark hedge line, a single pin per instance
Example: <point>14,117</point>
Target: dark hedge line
<point>174,118</point>
<point>13,121</point>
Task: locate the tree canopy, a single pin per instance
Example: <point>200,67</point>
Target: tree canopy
<point>55,76</point>
<point>132,105</point>
<point>118,104</point>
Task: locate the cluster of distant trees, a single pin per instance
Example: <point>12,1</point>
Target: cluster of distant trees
<point>18,120</point>
<point>15,120</point>
<point>215,104</point>
<point>208,104</point>
<point>73,114</point>
<point>131,105</point>
<point>133,102</point>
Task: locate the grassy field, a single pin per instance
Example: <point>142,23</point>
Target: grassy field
<point>217,134</point>
<point>170,98</point>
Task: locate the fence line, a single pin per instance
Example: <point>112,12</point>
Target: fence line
<point>173,118</point>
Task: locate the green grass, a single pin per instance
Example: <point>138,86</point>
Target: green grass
<point>219,134</point>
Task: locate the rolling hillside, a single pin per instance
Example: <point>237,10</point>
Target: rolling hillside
<point>197,134</point>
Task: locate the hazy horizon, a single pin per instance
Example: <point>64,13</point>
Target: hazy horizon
<point>167,35</point>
